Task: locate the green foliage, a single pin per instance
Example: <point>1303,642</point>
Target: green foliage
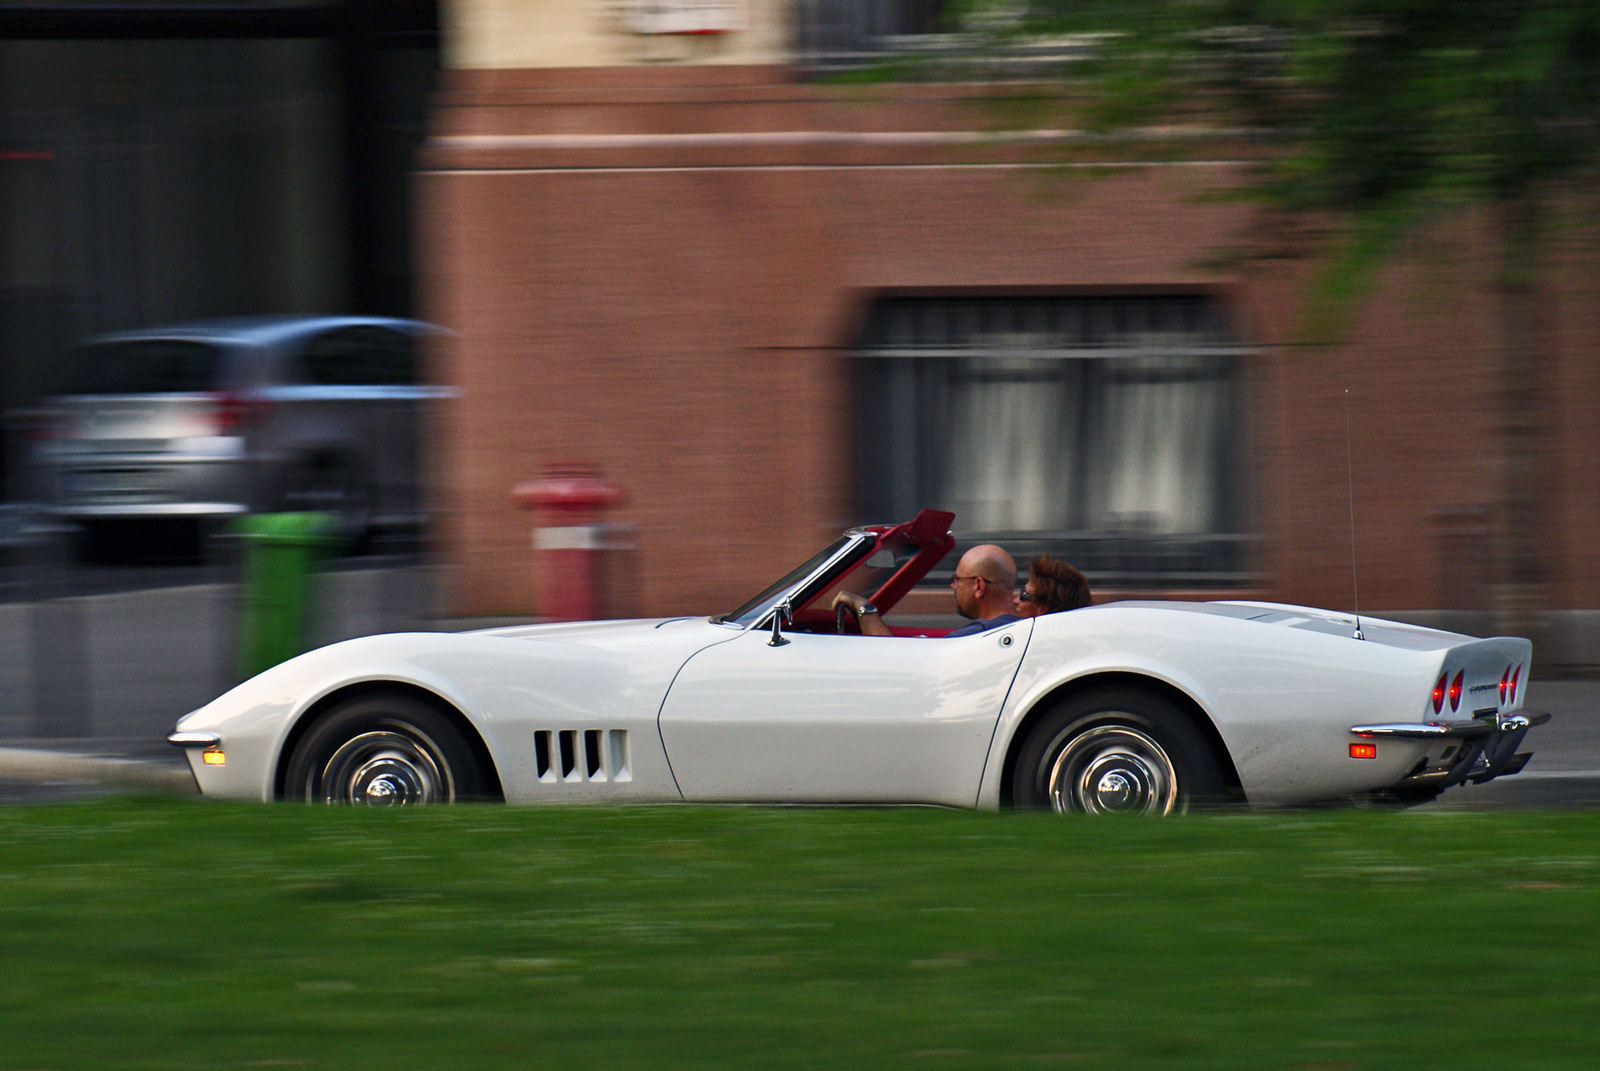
<point>178,934</point>
<point>1390,115</point>
<point>1370,104</point>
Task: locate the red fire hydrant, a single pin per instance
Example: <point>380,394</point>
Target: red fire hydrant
<point>566,540</point>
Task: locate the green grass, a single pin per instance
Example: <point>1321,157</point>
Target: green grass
<point>176,934</point>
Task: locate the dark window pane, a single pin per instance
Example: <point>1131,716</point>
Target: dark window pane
<point>147,366</point>
<point>361,357</point>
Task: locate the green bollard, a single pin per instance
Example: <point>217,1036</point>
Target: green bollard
<point>280,550</point>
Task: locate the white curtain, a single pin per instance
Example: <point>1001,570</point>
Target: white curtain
<point>1159,459</point>
<point>1156,462</point>
<point>1013,436</point>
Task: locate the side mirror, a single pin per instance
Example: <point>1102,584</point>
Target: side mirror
<point>780,612</point>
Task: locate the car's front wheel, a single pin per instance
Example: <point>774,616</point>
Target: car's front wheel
<point>1116,751</point>
<point>385,750</point>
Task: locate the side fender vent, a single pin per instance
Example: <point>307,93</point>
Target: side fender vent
<point>578,756</point>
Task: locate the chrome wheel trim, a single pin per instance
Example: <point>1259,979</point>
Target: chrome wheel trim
<point>1113,769</point>
<point>387,769</point>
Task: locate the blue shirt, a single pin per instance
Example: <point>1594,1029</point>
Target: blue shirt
<point>975,627</point>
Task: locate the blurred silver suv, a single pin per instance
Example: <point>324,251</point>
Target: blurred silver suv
<point>212,419</point>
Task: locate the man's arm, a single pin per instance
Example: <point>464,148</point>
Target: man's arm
<point>871,622</point>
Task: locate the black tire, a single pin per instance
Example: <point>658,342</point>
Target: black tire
<point>141,541</point>
<point>100,542</point>
<point>384,750</point>
<point>1116,751</point>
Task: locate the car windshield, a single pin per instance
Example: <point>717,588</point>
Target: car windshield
<point>758,606</point>
<point>147,366</point>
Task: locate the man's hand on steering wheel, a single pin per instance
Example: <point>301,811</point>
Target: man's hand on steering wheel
<point>866,614</point>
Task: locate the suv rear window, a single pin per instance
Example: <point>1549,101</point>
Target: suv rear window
<point>147,366</point>
<point>361,357</point>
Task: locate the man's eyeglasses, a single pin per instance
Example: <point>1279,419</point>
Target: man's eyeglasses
<point>958,578</point>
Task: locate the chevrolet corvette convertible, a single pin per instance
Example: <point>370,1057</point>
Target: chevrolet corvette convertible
<point>1131,707</point>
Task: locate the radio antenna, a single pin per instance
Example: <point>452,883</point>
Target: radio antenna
<point>1350,476</point>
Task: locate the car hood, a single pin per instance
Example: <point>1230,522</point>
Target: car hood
<point>566,666</point>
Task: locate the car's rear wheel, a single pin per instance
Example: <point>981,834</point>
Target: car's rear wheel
<point>385,750</point>
<point>1116,751</point>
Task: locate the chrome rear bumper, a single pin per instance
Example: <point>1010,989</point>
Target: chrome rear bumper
<point>1488,748</point>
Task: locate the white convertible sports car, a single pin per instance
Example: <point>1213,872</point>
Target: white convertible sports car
<point>1133,707</point>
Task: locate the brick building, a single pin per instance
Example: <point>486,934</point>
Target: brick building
<point>770,306</point>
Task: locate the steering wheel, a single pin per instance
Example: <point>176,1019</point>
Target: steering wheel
<point>842,614</point>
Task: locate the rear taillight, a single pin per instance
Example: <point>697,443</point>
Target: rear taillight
<point>40,424</point>
<point>233,412</point>
<point>1438,692</point>
<point>1505,683</point>
<point>1511,696</point>
<point>1455,691</point>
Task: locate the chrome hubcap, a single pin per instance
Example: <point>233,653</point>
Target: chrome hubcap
<point>386,769</point>
<point>1113,769</point>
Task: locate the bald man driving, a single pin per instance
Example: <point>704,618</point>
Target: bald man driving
<point>982,583</point>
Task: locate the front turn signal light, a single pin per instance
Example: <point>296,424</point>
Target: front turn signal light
<point>213,757</point>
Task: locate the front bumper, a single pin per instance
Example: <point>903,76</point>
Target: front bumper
<point>199,740</point>
<point>152,509</point>
<point>1488,748</point>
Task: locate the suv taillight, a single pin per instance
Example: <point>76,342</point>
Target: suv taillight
<point>39,424</point>
<point>234,412</point>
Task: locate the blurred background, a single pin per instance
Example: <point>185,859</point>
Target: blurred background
<point>751,271</point>
<point>161,164</point>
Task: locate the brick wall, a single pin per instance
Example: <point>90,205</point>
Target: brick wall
<point>661,271</point>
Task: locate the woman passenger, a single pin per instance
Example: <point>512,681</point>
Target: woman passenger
<point>1052,586</point>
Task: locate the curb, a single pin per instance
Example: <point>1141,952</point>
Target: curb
<point>38,767</point>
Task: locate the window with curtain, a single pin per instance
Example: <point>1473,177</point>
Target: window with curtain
<point>1102,429</point>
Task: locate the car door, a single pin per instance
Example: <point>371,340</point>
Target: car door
<point>361,403</point>
<point>839,718</point>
